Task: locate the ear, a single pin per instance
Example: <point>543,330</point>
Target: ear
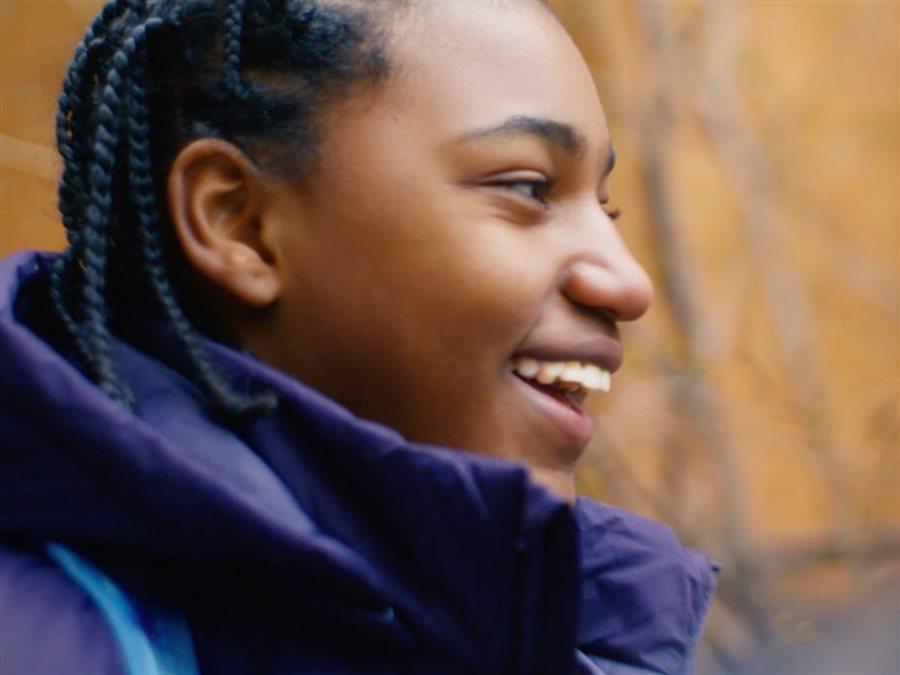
<point>215,196</point>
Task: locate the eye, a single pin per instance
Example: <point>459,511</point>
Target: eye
<point>536,190</point>
<point>613,213</point>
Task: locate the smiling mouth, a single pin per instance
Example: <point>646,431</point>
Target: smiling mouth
<point>572,398</point>
<point>558,390</point>
<point>578,377</point>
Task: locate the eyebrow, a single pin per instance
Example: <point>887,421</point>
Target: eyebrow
<point>558,133</point>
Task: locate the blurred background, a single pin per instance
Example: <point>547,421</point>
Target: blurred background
<point>758,410</point>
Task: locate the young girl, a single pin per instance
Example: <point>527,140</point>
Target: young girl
<point>304,392</point>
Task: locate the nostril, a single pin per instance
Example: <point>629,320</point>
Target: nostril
<point>611,315</point>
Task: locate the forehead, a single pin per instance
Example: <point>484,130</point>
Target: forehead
<point>470,64</point>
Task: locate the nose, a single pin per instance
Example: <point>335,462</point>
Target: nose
<point>611,280</point>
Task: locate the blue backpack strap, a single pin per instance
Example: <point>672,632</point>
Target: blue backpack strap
<point>597,665</point>
<point>169,652</point>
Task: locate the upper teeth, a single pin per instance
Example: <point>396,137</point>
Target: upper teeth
<point>586,375</point>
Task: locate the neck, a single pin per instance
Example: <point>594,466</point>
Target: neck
<point>559,480</point>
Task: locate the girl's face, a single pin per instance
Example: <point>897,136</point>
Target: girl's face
<point>426,249</point>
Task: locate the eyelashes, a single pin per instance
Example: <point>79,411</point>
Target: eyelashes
<point>536,190</point>
<point>539,191</point>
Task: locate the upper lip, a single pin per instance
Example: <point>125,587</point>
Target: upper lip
<point>602,351</point>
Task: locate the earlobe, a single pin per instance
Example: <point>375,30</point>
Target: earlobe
<point>247,276</point>
<point>215,199</point>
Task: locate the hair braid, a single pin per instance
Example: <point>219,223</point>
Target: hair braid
<point>97,227</point>
<point>69,125</point>
<point>233,30</point>
<point>70,112</point>
<point>147,217</point>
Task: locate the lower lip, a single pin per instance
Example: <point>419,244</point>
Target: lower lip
<point>574,424</point>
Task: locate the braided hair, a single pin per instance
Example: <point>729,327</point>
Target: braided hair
<point>151,76</point>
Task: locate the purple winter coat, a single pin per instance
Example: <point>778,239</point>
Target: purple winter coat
<point>311,541</point>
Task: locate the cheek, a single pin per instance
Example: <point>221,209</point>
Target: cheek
<point>432,254</point>
<point>419,267</point>
<point>471,284</point>
<point>496,288</point>
<point>426,295</point>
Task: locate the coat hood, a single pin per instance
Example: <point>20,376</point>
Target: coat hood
<point>355,529</point>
